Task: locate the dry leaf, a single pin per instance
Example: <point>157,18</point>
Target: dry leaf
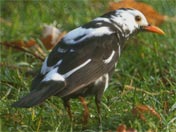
<point>29,43</point>
<point>51,36</point>
<point>122,128</point>
<point>21,43</point>
<point>152,16</point>
<point>140,110</point>
<point>34,49</point>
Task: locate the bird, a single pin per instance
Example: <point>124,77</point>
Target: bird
<point>83,61</point>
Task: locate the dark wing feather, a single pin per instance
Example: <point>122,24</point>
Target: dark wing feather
<point>83,77</point>
<point>97,50</point>
<point>38,95</point>
<point>36,82</point>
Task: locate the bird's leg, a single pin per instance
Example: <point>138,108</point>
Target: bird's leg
<point>98,104</point>
<point>67,107</point>
<point>86,110</point>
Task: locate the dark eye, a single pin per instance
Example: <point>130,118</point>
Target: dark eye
<point>137,18</point>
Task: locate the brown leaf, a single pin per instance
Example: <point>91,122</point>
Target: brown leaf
<point>47,41</point>
<point>29,43</point>
<point>152,16</point>
<point>140,110</point>
<point>19,45</point>
<point>122,128</point>
<point>51,36</point>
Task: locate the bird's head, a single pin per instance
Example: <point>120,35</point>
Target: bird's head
<point>132,20</point>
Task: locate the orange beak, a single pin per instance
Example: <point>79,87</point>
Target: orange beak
<point>153,29</point>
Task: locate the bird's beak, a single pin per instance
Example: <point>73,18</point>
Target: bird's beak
<point>153,29</point>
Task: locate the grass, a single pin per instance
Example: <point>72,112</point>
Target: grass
<point>145,74</point>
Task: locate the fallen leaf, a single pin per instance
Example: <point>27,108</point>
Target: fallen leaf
<point>152,16</point>
<point>141,110</point>
<point>34,50</point>
<point>47,41</point>
<point>22,43</point>
<point>51,36</point>
<point>122,128</point>
<point>29,43</point>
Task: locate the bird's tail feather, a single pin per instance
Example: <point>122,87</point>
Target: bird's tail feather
<point>38,95</point>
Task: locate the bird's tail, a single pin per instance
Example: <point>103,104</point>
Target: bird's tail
<point>37,96</point>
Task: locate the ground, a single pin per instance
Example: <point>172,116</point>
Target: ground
<point>142,92</point>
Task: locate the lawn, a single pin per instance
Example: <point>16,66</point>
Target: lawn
<point>141,94</point>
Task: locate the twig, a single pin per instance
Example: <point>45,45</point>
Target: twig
<point>21,49</point>
<point>128,87</point>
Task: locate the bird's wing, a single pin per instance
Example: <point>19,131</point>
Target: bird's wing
<point>81,57</point>
<point>87,62</point>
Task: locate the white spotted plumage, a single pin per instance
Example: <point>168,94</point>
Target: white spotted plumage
<point>84,34</point>
<point>82,63</point>
<point>119,19</point>
<point>55,76</point>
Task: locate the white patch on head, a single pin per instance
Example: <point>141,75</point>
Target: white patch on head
<point>126,19</point>
<point>143,21</point>
<point>46,68</point>
<point>108,60</point>
<point>75,69</point>
<point>85,33</point>
<point>53,75</point>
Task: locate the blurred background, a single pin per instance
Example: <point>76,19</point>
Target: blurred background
<point>142,91</point>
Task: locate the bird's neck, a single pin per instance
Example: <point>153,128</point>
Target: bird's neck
<point>121,38</point>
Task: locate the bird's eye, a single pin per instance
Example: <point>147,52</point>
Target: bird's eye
<point>138,18</point>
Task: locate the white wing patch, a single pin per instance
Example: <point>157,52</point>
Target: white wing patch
<point>46,68</point>
<point>83,33</point>
<point>108,60</point>
<point>75,69</point>
<point>53,75</point>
